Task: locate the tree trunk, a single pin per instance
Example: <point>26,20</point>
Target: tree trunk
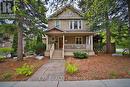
<point>20,43</point>
<point>108,35</point>
<point>20,34</point>
<point>129,24</point>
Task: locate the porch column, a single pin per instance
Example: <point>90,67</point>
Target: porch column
<point>46,42</point>
<point>87,42</point>
<point>63,46</point>
<point>91,42</point>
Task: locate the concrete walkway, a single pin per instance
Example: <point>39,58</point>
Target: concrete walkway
<point>91,83</point>
<point>52,71</point>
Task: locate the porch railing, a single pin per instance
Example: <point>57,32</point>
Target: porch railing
<point>75,46</point>
<point>51,50</point>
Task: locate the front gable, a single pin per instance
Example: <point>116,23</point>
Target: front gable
<point>68,12</point>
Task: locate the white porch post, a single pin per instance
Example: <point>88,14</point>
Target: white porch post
<point>87,42</point>
<point>46,42</point>
<point>91,42</point>
<point>63,46</point>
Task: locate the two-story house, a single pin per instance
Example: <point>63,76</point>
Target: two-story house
<point>67,32</point>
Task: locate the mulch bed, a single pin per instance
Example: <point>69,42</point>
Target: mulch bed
<point>10,65</point>
<point>99,67</point>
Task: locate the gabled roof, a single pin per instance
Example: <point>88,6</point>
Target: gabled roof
<point>56,29</point>
<point>59,11</point>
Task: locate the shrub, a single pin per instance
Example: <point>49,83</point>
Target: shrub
<point>5,51</point>
<point>71,68</point>
<point>7,76</point>
<point>113,75</point>
<point>2,59</point>
<point>40,48</point>
<point>80,55</point>
<point>25,70</point>
<point>30,45</point>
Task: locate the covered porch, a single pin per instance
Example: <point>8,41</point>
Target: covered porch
<point>68,42</point>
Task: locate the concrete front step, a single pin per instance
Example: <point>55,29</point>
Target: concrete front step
<point>57,58</point>
<point>57,54</point>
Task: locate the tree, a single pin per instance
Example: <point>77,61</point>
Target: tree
<point>129,23</point>
<point>97,13</point>
<point>28,14</point>
<point>7,29</point>
<point>15,43</point>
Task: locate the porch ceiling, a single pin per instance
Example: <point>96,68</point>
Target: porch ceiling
<point>71,33</point>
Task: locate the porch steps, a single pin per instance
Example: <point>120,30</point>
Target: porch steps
<point>57,54</point>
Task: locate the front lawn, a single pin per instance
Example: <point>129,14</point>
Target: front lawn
<point>8,68</point>
<point>99,67</point>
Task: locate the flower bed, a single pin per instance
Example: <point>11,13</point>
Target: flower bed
<point>100,67</point>
<point>9,66</point>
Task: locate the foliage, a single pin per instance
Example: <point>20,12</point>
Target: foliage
<point>102,15</point>
<point>33,9</point>
<point>2,59</point>
<point>39,38</point>
<point>6,76</point>
<point>71,68</point>
<point>26,70</point>
<point>7,28</point>
<point>35,45</point>
<point>15,43</point>
<point>30,15</point>
<point>113,74</point>
<point>40,48</point>
<point>28,46</point>
<point>6,50</point>
<point>80,55</point>
<point>128,72</point>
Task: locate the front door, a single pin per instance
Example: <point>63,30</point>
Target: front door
<point>56,42</point>
<point>60,42</point>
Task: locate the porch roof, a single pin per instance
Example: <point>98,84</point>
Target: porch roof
<point>71,33</point>
<point>54,30</point>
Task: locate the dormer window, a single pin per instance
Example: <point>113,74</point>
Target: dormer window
<point>57,24</point>
<point>75,24</point>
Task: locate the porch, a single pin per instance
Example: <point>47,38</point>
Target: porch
<point>66,44</point>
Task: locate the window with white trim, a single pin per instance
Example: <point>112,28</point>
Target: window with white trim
<point>71,24</point>
<point>78,40</point>
<point>75,24</point>
<point>57,24</point>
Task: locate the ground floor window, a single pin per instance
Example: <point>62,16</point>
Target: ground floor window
<point>78,40</point>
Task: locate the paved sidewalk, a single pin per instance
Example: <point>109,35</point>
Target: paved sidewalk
<point>91,83</point>
<point>52,71</point>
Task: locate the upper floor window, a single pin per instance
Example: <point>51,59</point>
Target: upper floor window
<point>57,24</point>
<point>71,24</point>
<point>75,24</point>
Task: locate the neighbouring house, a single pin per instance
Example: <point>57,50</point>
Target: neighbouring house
<point>67,32</point>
